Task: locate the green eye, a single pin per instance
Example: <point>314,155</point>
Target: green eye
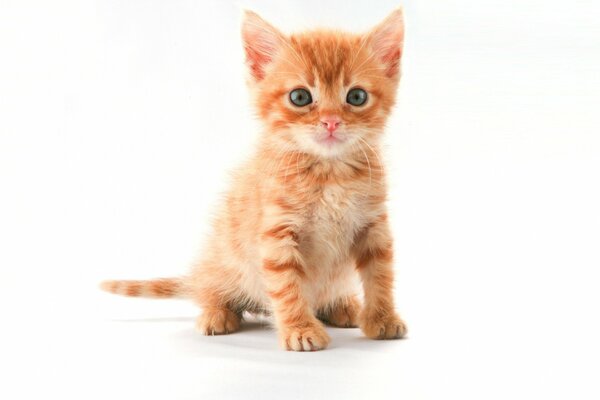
<point>300,97</point>
<point>356,97</point>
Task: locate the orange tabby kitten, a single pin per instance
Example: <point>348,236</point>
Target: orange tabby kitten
<point>306,216</point>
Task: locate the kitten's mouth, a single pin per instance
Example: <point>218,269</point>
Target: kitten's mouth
<point>330,139</point>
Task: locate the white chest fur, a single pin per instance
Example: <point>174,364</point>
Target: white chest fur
<point>332,223</point>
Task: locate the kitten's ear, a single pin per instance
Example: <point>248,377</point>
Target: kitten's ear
<point>387,39</point>
<point>261,43</point>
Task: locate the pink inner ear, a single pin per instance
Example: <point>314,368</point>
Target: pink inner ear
<point>260,44</point>
<point>388,45</point>
<point>257,61</point>
<point>387,42</point>
<point>392,61</point>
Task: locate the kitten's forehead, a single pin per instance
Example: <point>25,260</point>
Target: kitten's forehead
<point>327,57</point>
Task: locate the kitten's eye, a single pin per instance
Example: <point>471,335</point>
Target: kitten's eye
<point>356,97</point>
<point>300,97</point>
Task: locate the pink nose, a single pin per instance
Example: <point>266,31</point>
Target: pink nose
<point>331,123</point>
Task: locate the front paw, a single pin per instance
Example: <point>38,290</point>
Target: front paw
<point>382,326</point>
<point>311,337</point>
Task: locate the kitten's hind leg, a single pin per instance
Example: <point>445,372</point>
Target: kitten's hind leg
<point>218,321</point>
<point>219,316</point>
<point>343,313</point>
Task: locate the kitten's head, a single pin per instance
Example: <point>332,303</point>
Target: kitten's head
<point>323,92</point>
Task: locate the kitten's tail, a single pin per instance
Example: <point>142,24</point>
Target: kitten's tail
<point>155,288</point>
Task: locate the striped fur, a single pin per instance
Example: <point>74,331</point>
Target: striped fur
<point>304,222</point>
<point>156,288</point>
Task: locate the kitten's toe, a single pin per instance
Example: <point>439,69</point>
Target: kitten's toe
<point>218,322</point>
<point>309,338</point>
<point>376,326</point>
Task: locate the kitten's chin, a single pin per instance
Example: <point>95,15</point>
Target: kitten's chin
<point>328,147</point>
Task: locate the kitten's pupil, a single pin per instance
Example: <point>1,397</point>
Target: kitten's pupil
<point>356,97</point>
<point>300,97</point>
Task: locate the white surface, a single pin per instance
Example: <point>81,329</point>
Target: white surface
<point>119,120</point>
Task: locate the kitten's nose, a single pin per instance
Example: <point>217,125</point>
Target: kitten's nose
<point>331,122</point>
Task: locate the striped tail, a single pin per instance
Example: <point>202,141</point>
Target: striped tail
<point>155,288</point>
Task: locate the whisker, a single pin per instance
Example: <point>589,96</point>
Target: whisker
<point>368,163</point>
<point>362,44</point>
<point>298,57</point>
<point>369,58</point>
<point>297,166</point>
<point>277,161</point>
<point>381,165</point>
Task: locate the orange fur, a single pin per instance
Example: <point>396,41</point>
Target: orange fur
<point>159,288</point>
<point>303,219</point>
<point>343,313</point>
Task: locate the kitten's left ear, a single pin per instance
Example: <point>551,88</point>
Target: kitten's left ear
<point>387,39</point>
<point>261,43</point>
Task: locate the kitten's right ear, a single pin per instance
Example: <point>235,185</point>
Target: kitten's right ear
<point>387,39</point>
<point>261,43</point>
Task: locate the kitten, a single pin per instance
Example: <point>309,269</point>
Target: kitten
<point>306,216</point>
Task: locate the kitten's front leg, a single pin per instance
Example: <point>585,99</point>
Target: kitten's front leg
<point>374,254</point>
<point>283,269</point>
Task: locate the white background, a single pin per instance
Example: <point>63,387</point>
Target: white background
<point>120,119</point>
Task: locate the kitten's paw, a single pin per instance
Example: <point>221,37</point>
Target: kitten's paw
<point>218,322</point>
<point>344,314</point>
<point>381,326</point>
<point>308,338</point>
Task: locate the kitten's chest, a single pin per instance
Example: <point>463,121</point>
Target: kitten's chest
<point>333,220</point>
